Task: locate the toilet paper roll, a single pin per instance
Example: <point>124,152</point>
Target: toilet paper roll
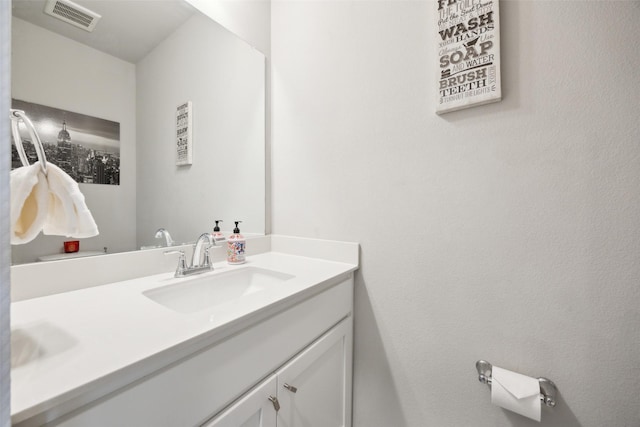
<point>516,392</point>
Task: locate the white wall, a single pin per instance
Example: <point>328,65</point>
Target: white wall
<point>55,71</point>
<point>507,232</point>
<point>226,180</point>
<point>248,19</point>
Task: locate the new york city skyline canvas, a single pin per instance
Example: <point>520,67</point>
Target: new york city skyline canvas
<point>85,147</point>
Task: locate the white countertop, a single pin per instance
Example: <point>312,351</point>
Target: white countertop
<point>73,347</point>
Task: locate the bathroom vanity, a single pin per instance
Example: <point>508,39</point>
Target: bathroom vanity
<point>261,344</point>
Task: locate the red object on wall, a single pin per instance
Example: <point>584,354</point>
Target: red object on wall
<point>72,246</point>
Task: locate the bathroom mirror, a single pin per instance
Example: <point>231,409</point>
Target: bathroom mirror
<point>142,61</point>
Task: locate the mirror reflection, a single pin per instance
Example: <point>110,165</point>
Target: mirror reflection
<point>144,60</point>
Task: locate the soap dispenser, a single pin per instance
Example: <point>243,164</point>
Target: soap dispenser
<point>236,246</point>
<point>217,234</point>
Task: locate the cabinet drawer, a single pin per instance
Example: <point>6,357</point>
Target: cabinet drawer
<point>190,391</point>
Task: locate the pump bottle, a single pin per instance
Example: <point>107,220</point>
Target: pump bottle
<point>236,246</point>
<point>217,234</point>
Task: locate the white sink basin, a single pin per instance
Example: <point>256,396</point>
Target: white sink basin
<point>202,292</point>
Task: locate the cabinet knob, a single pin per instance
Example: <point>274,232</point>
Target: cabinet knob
<point>291,388</point>
<point>276,404</point>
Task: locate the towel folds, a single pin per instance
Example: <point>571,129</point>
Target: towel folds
<point>68,213</point>
<point>49,203</point>
<point>29,203</point>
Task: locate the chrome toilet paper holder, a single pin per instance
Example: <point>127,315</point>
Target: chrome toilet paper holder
<point>548,390</point>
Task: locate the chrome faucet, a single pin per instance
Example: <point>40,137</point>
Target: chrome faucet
<point>162,233</point>
<point>204,242</point>
<point>200,252</point>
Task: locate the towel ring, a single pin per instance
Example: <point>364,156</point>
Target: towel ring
<point>18,116</point>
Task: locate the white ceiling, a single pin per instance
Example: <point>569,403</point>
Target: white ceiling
<point>128,29</point>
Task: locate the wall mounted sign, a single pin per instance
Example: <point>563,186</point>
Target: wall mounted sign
<point>184,148</point>
<point>468,52</point>
<point>87,148</point>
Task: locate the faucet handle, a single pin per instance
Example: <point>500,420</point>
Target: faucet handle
<point>182,262</point>
<point>207,260</point>
<point>175,251</point>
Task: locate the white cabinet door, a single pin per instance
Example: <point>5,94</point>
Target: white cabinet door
<point>252,410</point>
<point>314,388</point>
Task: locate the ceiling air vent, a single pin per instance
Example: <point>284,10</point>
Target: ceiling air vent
<point>72,13</point>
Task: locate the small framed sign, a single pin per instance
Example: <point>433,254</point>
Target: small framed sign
<point>184,142</point>
<point>468,53</point>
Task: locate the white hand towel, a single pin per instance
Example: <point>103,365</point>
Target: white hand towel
<point>29,203</point>
<point>68,214</point>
